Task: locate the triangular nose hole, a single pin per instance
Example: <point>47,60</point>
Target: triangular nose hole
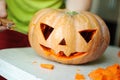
<point>87,34</point>
<point>62,42</point>
<point>46,30</point>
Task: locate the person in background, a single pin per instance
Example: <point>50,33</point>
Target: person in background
<point>21,12</point>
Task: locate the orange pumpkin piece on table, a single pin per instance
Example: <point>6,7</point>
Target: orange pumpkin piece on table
<point>79,76</point>
<point>68,37</point>
<point>110,73</point>
<point>47,66</point>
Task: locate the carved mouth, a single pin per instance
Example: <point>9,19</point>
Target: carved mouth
<point>49,51</point>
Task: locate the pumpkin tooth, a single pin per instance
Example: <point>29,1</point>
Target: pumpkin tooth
<point>62,54</point>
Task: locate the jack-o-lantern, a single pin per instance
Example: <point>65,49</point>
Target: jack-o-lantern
<point>68,37</point>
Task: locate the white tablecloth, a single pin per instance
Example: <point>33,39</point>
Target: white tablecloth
<point>24,64</point>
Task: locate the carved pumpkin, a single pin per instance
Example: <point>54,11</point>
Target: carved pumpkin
<point>68,37</point>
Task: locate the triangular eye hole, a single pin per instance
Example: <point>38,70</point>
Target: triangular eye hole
<point>63,42</point>
<point>46,30</point>
<point>87,34</point>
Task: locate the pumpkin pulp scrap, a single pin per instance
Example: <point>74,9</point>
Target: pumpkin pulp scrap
<point>110,73</point>
<point>47,66</point>
<point>79,76</point>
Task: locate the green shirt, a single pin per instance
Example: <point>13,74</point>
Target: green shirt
<point>21,11</point>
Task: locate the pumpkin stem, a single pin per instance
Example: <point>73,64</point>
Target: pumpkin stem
<point>72,13</point>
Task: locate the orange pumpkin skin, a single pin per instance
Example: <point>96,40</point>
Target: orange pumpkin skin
<point>68,38</point>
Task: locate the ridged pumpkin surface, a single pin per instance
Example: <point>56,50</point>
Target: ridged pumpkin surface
<point>68,37</point>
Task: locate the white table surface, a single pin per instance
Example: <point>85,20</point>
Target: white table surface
<point>18,64</point>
